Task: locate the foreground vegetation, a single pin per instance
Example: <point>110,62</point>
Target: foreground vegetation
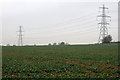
<point>71,61</point>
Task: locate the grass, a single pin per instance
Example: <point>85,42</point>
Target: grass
<point>71,61</point>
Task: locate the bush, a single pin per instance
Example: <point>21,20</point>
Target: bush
<point>107,39</point>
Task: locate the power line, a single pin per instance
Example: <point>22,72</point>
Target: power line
<point>71,29</point>
<point>72,21</point>
<point>82,24</point>
<point>87,30</point>
<point>103,24</point>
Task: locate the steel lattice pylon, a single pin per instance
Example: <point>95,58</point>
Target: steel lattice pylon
<point>103,23</point>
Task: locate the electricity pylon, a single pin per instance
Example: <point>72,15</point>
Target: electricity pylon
<point>103,23</point>
<point>20,39</point>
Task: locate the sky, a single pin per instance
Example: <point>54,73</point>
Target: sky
<point>44,22</point>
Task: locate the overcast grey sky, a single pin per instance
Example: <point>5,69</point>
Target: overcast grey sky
<point>55,21</point>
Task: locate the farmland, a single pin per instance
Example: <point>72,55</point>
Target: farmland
<point>70,61</point>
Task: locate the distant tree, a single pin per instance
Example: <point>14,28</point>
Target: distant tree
<point>14,45</point>
<point>107,39</point>
<point>62,43</point>
<point>8,44</point>
<point>54,44</point>
<point>49,44</point>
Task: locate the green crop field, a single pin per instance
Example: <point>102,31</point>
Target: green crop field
<point>70,61</point>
